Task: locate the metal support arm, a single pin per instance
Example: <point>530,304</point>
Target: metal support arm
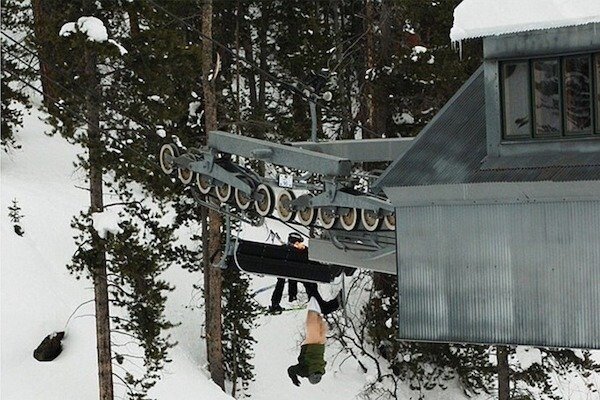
<point>334,197</point>
<point>301,159</point>
<point>205,164</point>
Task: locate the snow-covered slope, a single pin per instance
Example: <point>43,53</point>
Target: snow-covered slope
<point>38,294</point>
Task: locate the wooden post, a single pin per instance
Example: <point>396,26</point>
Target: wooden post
<point>503,373</point>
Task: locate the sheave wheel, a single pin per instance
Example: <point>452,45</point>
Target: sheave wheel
<point>327,217</point>
<point>370,220</point>
<point>185,175</point>
<point>349,221</point>
<point>224,192</point>
<point>284,200</point>
<point>266,204</point>
<point>167,153</point>
<point>204,183</point>
<point>242,200</point>
<point>307,216</point>
<point>390,221</point>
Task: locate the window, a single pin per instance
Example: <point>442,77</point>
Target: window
<point>517,118</point>
<point>546,93</point>
<point>578,95</point>
<point>547,98</point>
<point>597,79</point>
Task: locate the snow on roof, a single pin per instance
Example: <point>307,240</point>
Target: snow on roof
<point>479,18</point>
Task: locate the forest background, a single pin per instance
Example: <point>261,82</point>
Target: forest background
<point>170,71</point>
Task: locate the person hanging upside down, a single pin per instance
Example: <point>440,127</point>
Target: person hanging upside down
<point>311,361</point>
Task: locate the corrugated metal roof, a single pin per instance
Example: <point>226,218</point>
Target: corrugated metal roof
<point>452,147</point>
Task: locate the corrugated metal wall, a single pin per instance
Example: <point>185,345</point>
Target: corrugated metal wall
<point>501,273</point>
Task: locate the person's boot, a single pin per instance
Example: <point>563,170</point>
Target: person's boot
<point>275,309</point>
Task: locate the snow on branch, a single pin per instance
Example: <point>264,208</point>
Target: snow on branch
<point>106,222</point>
<point>93,28</point>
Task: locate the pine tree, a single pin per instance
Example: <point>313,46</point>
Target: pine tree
<point>15,216</point>
<point>14,70</point>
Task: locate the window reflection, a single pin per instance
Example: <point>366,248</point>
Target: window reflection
<point>546,97</point>
<point>578,104</point>
<point>517,121</point>
<point>597,68</point>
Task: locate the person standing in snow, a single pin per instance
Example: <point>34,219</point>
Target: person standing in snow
<point>311,361</point>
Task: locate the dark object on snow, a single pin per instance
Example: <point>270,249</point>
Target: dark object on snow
<point>50,347</point>
<point>282,262</point>
<point>18,230</point>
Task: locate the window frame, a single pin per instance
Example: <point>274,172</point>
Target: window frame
<point>595,57</point>
<point>594,133</point>
<point>534,134</point>
<point>502,104</point>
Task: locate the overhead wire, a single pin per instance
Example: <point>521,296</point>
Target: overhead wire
<point>110,105</point>
<point>285,85</point>
<point>76,115</point>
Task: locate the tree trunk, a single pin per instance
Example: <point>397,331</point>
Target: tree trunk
<point>503,373</point>
<point>134,22</point>
<point>381,91</point>
<point>99,269</point>
<point>338,20</point>
<point>40,30</point>
<point>212,274</point>
<point>370,64</point>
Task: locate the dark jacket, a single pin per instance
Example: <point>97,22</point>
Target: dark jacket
<point>310,361</point>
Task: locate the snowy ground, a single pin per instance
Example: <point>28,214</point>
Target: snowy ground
<point>38,295</point>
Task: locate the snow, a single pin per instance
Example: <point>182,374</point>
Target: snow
<point>68,29</point>
<point>193,108</point>
<point>122,50</point>
<point>92,27</point>
<point>419,49</point>
<point>160,131</point>
<point>480,18</point>
<point>39,295</point>
<point>106,222</point>
<point>528,356</point>
<point>403,118</point>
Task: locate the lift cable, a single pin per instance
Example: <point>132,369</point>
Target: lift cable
<point>110,105</point>
<point>311,98</point>
<point>76,115</point>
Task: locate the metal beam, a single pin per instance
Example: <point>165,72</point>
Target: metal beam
<point>382,259</point>
<point>368,150</point>
<point>279,154</point>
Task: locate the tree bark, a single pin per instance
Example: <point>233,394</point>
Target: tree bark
<point>134,22</point>
<point>40,30</point>
<point>370,64</point>
<point>96,205</point>
<point>212,253</point>
<point>503,373</point>
<point>381,91</point>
